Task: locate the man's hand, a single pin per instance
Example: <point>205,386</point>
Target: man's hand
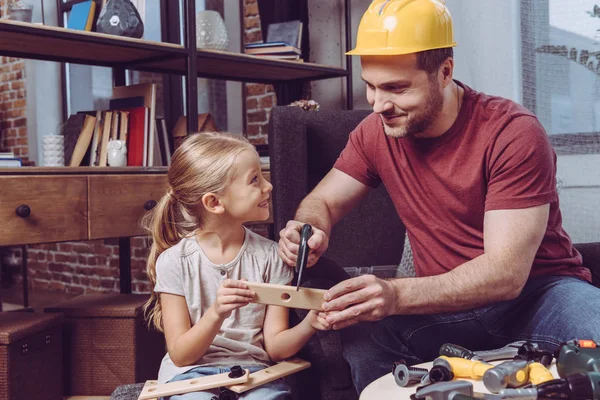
<point>364,298</point>
<point>230,296</point>
<point>289,242</point>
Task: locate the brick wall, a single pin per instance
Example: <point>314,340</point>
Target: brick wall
<point>89,267</point>
<point>260,98</point>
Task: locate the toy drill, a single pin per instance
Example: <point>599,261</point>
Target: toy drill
<point>578,356</point>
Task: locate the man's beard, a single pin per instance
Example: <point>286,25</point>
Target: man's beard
<point>422,121</point>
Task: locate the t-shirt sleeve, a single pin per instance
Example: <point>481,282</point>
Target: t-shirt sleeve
<point>354,159</point>
<point>168,275</point>
<point>277,272</point>
<point>522,167</point>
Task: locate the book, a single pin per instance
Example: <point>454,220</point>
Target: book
<point>289,32</point>
<point>82,16</point>
<point>137,131</point>
<point>96,138</point>
<point>10,162</point>
<point>107,130</point>
<point>124,125</point>
<point>75,154</point>
<point>275,49</point>
<point>7,154</point>
<point>126,102</point>
<point>165,138</point>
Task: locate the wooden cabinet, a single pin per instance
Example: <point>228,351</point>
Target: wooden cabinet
<point>42,209</point>
<point>47,205</point>
<point>117,203</point>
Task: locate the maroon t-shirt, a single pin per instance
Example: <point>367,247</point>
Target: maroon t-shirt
<point>496,156</point>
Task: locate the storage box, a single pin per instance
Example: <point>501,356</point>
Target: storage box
<point>30,356</point>
<point>107,343</point>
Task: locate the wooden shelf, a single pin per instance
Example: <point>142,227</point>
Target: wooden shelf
<point>49,43</point>
<point>247,68</point>
<point>83,170</point>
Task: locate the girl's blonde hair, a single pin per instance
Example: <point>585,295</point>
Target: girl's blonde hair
<point>202,164</point>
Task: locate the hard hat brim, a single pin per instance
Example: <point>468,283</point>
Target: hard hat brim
<point>392,51</point>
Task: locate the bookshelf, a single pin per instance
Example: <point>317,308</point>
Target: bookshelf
<point>49,43</point>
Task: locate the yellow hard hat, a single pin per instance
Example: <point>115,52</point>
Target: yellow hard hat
<point>391,27</point>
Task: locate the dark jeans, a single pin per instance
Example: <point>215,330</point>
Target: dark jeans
<point>549,311</point>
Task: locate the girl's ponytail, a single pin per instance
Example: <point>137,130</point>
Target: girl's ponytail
<point>161,222</point>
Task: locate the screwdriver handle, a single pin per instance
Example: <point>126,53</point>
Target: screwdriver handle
<point>454,350</point>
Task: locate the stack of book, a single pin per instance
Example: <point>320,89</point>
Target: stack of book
<point>130,118</point>
<point>283,42</point>
<point>8,160</point>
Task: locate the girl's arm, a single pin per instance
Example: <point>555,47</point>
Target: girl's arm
<point>281,342</point>
<point>187,344</point>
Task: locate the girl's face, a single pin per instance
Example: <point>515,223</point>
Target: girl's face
<point>246,198</point>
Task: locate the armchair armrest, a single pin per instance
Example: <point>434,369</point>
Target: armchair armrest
<point>591,259</point>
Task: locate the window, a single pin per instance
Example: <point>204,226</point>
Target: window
<point>561,66</point>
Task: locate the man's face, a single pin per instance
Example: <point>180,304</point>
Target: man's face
<point>407,99</point>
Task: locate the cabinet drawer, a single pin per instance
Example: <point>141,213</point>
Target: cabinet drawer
<point>56,209</point>
<point>116,203</point>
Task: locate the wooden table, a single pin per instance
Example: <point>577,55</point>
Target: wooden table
<point>49,205</point>
<point>386,387</point>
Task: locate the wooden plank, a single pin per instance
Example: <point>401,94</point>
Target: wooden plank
<point>58,209</point>
<point>287,296</point>
<point>152,391</point>
<point>116,203</point>
<point>271,373</point>
<point>148,385</point>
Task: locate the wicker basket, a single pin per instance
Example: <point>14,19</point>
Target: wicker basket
<point>30,356</point>
<point>107,343</point>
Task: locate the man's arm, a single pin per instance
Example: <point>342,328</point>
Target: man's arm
<point>511,240</point>
<point>330,201</point>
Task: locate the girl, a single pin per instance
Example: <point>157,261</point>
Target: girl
<point>200,255</point>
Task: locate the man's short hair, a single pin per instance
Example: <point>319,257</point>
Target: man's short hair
<point>431,60</point>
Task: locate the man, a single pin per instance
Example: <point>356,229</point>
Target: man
<point>473,178</point>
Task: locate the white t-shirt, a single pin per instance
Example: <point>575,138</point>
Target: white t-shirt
<point>185,270</point>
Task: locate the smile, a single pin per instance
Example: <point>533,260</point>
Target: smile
<point>391,120</point>
<point>264,204</point>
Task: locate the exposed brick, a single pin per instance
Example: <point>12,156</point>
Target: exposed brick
<point>253,130</point>
<point>250,9</point>
<point>251,103</point>
<point>266,102</point>
<point>257,116</point>
<point>253,37</point>
<point>255,89</point>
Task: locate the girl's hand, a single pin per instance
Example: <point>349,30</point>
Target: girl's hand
<point>317,321</point>
<point>230,296</point>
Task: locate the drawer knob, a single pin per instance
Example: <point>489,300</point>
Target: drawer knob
<point>149,205</point>
<point>23,211</point>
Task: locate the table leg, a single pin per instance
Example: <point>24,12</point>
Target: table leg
<point>125,264</point>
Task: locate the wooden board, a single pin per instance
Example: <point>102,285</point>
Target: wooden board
<point>267,375</point>
<point>287,296</point>
<point>153,391</point>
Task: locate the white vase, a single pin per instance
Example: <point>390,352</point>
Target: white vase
<point>53,148</point>
<point>117,153</point>
<point>211,32</point>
